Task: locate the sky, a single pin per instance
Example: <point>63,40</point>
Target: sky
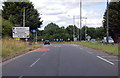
<point>61,12</point>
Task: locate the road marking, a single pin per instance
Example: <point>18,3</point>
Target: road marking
<point>81,48</point>
<point>43,53</point>
<point>109,56</point>
<point>89,52</point>
<point>20,76</point>
<point>105,60</point>
<point>34,62</point>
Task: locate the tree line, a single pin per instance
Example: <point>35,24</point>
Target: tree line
<point>52,32</point>
<point>12,15</point>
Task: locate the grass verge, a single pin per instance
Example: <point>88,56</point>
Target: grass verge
<point>108,48</point>
<point>12,47</point>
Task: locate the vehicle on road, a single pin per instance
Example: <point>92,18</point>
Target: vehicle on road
<point>110,40</point>
<point>47,42</point>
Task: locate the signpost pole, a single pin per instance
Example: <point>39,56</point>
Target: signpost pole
<point>26,41</point>
<point>36,37</point>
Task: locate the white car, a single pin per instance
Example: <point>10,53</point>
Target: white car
<point>110,40</point>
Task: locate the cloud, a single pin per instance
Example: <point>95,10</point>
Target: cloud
<point>61,12</point>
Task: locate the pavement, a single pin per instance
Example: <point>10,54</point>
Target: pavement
<point>62,60</point>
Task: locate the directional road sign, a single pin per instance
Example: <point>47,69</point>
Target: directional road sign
<point>20,32</point>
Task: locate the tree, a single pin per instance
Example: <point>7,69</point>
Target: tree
<point>114,19</point>
<point>13,11</point>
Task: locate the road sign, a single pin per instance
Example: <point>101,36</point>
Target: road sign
<point>57,40</point>
<point>20,32</point>
<point>26,39</point>
<point>17,38</point>
<point>34,31</point>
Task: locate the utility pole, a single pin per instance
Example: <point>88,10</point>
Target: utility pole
<point>85,28</point>
<point>24,24</point>
<point>80,20</point>
<point>24,17</point>
<point>73,27</point>
<point>107,23</point>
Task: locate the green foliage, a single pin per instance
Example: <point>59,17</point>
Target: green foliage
<point>114,19</point>
<point>13,11</point>
<point>6,27</point>
<point>53,31</point>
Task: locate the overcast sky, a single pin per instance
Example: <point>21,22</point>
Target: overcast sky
<point>61,12</point>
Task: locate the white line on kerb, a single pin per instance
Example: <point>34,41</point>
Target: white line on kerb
<point>105,60</point>
<point>35,62</point>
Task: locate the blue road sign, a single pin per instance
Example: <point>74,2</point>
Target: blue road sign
<point>34,31</point>
<point>57,40</point>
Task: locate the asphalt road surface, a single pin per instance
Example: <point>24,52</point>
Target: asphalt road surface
<point>62,60</point>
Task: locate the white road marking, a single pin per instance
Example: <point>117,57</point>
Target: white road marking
<point>109,56</point>
<point>89,52</point>
<point>81,48</point>
<point>34,62</point>
<point>43,53</point>
<point>105,60</point>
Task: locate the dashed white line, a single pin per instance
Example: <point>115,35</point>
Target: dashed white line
<point>89,52</point>
<point>43,54</point>
<point>105,60</point>
<point>81,48</point>
<point>34,62</point>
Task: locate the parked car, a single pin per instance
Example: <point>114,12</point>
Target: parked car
<point>110,40</point>
<point>47,42</point>
<point>93,40</point>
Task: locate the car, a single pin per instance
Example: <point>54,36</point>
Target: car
<point>110,40</point>
<point>93,40</point>
<point>47,42</point>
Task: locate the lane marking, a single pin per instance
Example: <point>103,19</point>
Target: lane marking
<point>105,60</point>
<point>90,52</point>
<point>34,62</point>
<point>81,48</point>
<point>110,56</point>
<point>20,76</point>
<point>43,54</point>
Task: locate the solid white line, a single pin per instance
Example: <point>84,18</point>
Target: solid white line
<point>35,62</point>
<point>105,60</point>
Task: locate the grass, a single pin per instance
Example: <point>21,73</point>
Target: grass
<point>108,48</point>
<point>11,47</point>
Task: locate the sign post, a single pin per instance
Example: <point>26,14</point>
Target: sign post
<point>34,35</point>
<point>21,32</point>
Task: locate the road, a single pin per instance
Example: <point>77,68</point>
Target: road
<point>62,60</point>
